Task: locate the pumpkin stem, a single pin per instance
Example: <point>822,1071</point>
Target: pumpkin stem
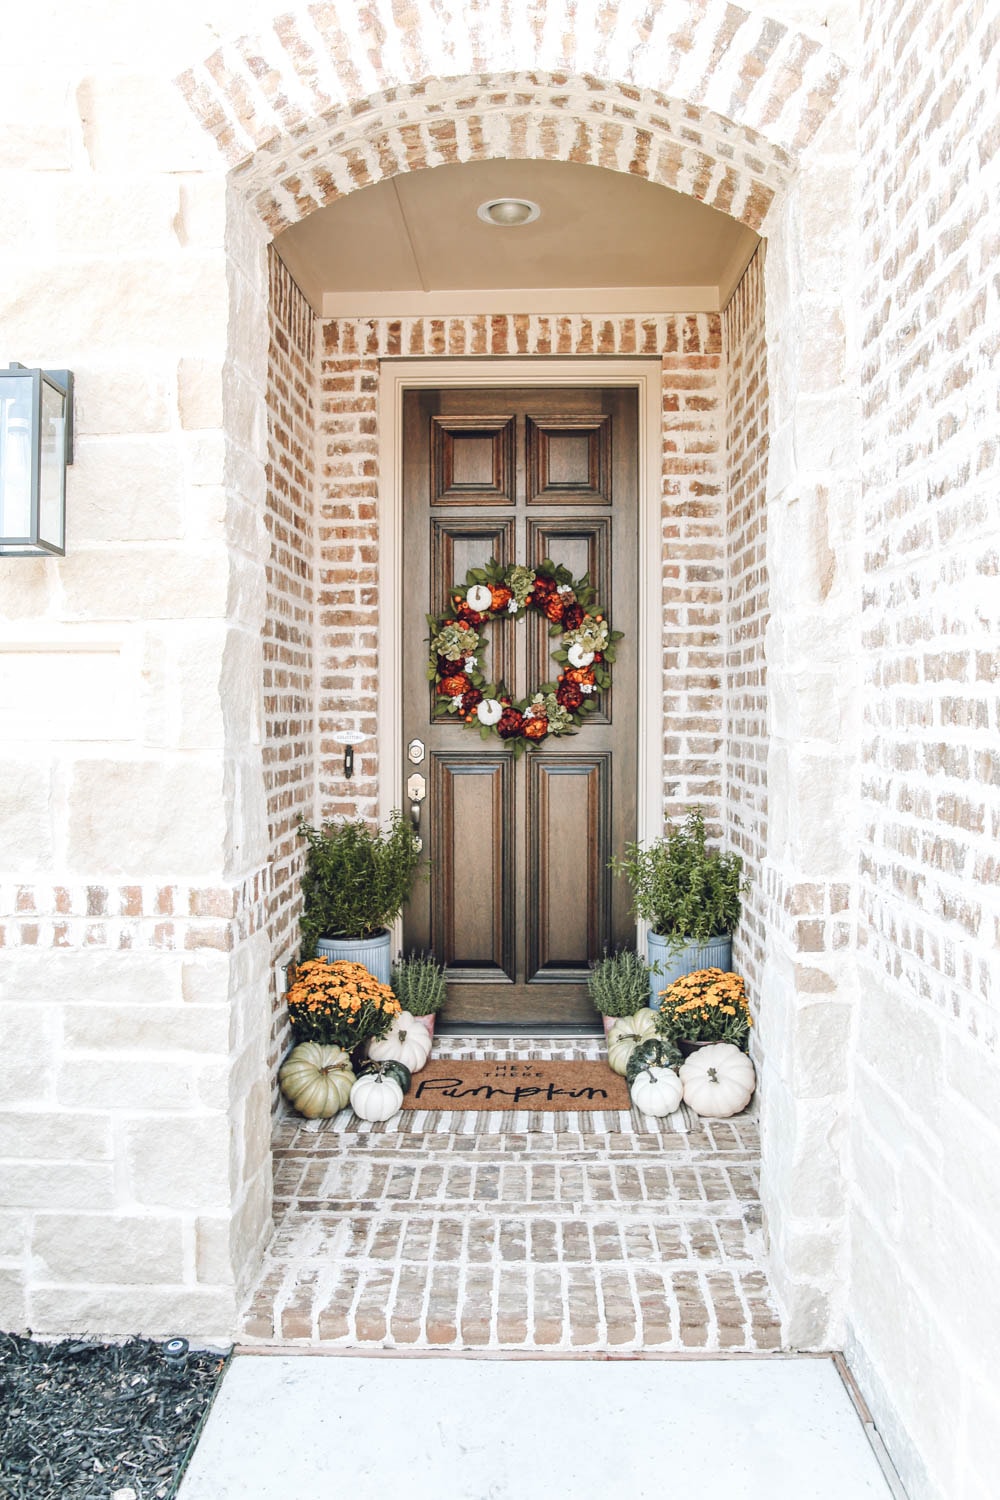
<point>713,1075</point>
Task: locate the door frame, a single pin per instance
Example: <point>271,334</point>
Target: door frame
<point>645,376</point>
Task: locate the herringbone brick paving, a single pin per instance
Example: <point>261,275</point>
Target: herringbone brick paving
<point>550,1238</point>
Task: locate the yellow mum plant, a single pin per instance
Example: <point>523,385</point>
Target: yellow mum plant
<point>706,1006</point>
<point>339,1004</point>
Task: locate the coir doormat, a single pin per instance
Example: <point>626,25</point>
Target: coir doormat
<point>457,1083</point>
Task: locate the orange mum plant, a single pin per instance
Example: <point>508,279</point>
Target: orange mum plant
<point>339,1004</point>
<point>706,1006</point>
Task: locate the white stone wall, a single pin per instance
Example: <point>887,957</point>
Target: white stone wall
<point>923,1316</point>
<point>133,1131</point>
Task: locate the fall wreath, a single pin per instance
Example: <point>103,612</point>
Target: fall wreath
<point>458,646</point>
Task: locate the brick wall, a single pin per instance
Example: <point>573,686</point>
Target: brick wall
<point>746,729</point>
<point>925,1216</point>
<point>289,667</point>
<point>693,486</point>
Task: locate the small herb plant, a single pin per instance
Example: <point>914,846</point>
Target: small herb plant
<point>619,983</point>
<point>706,1006</point>
<point>685,891</point>
<point>419,984</point>
<point>356,879</point>
<point>339,1004</point>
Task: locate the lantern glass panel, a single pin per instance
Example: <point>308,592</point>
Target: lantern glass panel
<point>52,473</point>
<point>15,459</point>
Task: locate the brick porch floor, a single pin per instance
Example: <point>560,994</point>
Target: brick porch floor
<point>514,1232</point>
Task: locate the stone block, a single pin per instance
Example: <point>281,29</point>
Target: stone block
<point>133,1083</point>
<point>120,1247</point>
<point>199,673</point>
<point>14,1234</point>
<point>41,1135</point>
<point>139,124</point>
<point>127,489</point>
<point>90,213</point>
<point>170,583</point>
<point>213,1259</point>
<point>147,1028</point>
<point>13,1302</point>
<point>820,1049</point>
<point>205,980</point>
<point>202,220</point>
<point>35,128</point>
<point>28,591</point>
<point>120,398</point>
<point>30,1040</point>
<point>102,975</point>
<point>901,1043</point>
<point>145,818</point>
<point>106,304</point>
<point>180,1163</point>
<point>199,393</point>
<point>26,835</point>
<point>811,705</point>
<point>973,1073</point>
<point>206,1315</point>
<point>57,1185</point>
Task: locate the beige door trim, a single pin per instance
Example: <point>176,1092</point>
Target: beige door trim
<point>644,375</point>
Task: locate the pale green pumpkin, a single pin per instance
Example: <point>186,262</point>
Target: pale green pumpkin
<point>316,1080</point>
<point>627,1033</point>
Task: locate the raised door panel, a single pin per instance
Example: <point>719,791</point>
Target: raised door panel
<point>584,547</point>
<point>472,869</point>
<point>569,848</point>
<point>456,546</point>
<point>472,460</point>
<point>568,460</point>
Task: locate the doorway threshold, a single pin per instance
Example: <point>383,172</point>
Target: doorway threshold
<point>542,1029</point>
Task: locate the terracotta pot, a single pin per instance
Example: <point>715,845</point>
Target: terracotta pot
<point>428,1021</point>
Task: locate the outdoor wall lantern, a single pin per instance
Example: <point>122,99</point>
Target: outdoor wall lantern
<point>36,445</point>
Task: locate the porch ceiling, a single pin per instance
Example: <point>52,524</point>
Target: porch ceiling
<point>416,237</point>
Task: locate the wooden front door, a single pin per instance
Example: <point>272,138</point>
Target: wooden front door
<point>520,899</point>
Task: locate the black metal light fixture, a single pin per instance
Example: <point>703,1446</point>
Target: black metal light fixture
<point>36,446</point>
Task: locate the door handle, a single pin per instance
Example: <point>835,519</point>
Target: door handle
<point>415,816</point>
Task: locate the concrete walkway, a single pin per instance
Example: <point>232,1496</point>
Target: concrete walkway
<point>452,1428</point>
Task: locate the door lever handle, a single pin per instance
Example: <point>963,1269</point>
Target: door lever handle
<point>415,816</point>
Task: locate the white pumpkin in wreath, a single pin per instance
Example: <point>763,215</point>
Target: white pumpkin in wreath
<point>407,1041</point>
<point>718,1081</point>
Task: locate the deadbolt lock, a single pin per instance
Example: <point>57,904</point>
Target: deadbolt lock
<point>415,751</point>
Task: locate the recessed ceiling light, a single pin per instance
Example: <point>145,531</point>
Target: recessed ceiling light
<point>508,213</point>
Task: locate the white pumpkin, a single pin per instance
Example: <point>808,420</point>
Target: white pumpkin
<point>479,598</point>
<point>317,1079</point>
<point>626,1033</point>
<point>657,1091</point>
<point>376,1096</point>
<point>407,1041</point>
<point>718,1081</point>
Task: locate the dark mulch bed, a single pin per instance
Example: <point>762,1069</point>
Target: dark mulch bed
<point>85,1421</point>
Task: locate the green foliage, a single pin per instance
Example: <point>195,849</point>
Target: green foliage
<point>619,983</point>
<point>419,984</point>
<point>356,879</point>
<point>686,892</point>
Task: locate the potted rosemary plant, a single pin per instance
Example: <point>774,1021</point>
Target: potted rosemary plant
<point>356,882</point>
<point>419,984</point>
<point>690,896</point>
<point>618,985</point>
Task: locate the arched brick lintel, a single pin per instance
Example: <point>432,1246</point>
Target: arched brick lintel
<point>701,96</point>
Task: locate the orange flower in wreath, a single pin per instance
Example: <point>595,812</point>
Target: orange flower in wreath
<point>454,687</point>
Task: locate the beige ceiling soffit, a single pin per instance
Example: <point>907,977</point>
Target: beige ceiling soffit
<point>591,300</point>
<point>735,270</point>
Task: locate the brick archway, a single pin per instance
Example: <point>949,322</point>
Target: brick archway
<point>704,97</point>
<point>719,102</point>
